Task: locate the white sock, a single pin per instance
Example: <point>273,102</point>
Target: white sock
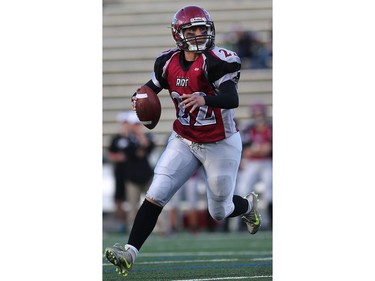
<point>134,252</point>
<point>249,209</point>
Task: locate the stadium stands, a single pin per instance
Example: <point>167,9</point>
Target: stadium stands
<point>136,31</point>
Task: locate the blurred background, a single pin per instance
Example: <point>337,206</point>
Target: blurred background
<point>135,32</point>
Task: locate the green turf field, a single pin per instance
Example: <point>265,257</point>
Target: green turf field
<point>203,256</point>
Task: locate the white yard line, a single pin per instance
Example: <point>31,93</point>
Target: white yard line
<point>187,261</point>
<point>194,261</point>
<point>225,278</point>
<point>226,253</point>
<point>200,254</point>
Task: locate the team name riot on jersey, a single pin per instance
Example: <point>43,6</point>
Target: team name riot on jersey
<point>182,82</point>
<point>201,77</point>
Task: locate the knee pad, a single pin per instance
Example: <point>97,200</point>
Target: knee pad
<point>220,187</point>
<point>220,203</point>
<point>217,214</point>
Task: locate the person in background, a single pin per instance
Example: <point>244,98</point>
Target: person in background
<point>249,46</point>
<point>139,171</point>
<point>117,155</point>
<point>256,164</point>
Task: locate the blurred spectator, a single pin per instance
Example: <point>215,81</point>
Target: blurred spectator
<point>256,165</point>
<point>140,172</point>
<point>117,155</point>
<point>249,46</point>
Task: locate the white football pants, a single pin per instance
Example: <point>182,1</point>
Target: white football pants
<point>182,158</point>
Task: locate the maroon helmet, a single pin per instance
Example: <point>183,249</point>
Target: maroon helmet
<point>191,16</point>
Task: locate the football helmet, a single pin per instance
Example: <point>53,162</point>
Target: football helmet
<point>191,16</point>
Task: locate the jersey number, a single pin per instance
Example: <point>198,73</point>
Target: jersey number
<point>205,116</point>
<point>227,54</point>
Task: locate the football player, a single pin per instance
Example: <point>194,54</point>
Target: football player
<point>202,81</point>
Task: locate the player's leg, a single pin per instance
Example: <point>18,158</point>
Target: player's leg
<point>174,167</point>
<point>221,167</point>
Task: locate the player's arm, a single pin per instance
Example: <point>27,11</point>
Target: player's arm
<point>155,88</point>
<point>157,82</point>
<point>227,98</point>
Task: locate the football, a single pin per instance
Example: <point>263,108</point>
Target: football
<point>148,107</point>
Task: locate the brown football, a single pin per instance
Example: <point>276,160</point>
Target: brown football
<point>148,107</point>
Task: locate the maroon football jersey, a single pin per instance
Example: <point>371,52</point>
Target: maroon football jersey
<point>202,77</point>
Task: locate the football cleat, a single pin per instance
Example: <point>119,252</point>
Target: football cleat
<point>253,219</point>
<point>121,258</point>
